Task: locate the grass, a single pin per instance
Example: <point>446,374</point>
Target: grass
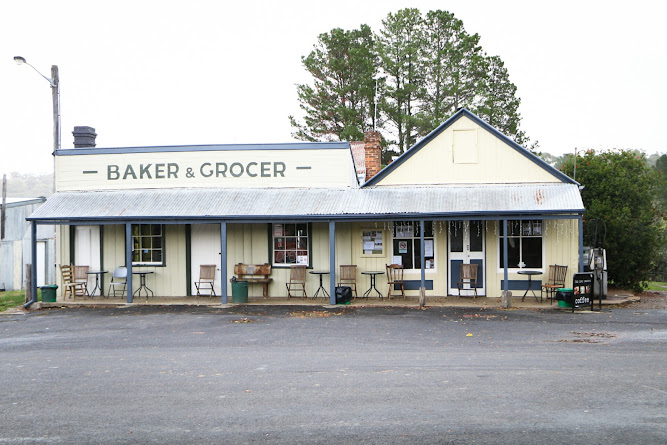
<point>11,299</point>
<point>657,285</point>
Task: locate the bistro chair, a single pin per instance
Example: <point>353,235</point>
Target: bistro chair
<point>555,281</point>
<point>395,278</point>
<point>72,288</point>
<point>297,277</point>
<point>348,277</point>
<point>81,276</point>
<point>468,276</point>
<point>206,279</point>
<point>118,280</point>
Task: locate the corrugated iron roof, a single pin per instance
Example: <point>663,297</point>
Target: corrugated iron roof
<point>314,203</point>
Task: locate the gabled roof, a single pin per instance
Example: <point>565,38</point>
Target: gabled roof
<point>444,126</point>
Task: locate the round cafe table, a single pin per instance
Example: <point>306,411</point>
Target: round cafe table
<point>325,294</point>
<point>97,274</point>
<point>373,274</point>
<point>530,274</point>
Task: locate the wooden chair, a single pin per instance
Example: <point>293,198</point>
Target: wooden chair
<point>206,279</point>
<point>81,276</point>
<point>395,278</point>
<point>468,276</point>
<point>118,279</point>
<point>348,277</point>
<point>72,288</point>
<point>555,281</point>
<point>297,277</point>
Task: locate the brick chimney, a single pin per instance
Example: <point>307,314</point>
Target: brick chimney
<point>84,137</point>
<point>373,149</point>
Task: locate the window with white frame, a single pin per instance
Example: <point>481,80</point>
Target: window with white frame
<point>290,244</point>
<point>406,244</point>
<point>524,244</point>
<point>148,244</point>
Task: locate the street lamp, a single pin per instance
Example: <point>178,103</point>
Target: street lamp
<point>54,81</point>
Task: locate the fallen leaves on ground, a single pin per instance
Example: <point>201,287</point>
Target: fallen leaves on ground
<point>312,314</point>
<point>242,320</point>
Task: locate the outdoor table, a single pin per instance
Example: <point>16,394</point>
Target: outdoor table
<point>373,274</point>
<point>321,288</point>
<point>142,284</point>
<point>530,274</point>
<point>97,274</point>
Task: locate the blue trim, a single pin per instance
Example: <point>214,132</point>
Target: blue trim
<point>415,284</point>
<point>332,262</point>
<point>128,260</point>
<point>523,284</point>
<point>448,123</point>
<point>223,262</point>
<point>193,148</point>
<point>490,216</point>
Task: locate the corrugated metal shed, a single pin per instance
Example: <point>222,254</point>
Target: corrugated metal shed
<point>336,204</point>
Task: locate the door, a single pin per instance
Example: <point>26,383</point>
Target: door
<point>87,250</point>
<point>205,249</point>
<point>465,241</point>
<point>41,263</point>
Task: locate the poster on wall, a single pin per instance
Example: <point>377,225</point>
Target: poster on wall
<point>397,259</point>
<point>372,242</point>
<point>277,230</point>
<point>402,247</point>
<point>302,259</point>
<point>428,247</point>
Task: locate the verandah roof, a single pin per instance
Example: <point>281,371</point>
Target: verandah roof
<point>252,204</point>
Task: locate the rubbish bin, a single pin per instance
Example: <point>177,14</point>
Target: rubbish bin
<point>239,291</point>
<point>565,297</point>
<point>343,294</point>
<point>49,293</point>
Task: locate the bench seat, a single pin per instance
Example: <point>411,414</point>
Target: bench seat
<point>255,273</point>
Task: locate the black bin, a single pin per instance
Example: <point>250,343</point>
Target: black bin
<point>343,295</point>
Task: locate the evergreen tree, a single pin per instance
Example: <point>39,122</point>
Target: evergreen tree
<point>339,106</point>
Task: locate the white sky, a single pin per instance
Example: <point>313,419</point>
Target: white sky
<point>590,74</point>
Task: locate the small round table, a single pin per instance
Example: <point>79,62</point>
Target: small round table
<point>142,284</point>
<point>530,274</point>
<point>97,274</point>
<point>321,288</point>
<point>373,274</point>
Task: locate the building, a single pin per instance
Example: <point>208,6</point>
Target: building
<point>15,250</point>
<point>464,194</point>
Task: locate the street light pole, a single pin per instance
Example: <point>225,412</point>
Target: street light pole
<point>54,82</point>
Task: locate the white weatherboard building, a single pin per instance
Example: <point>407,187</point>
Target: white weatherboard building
<point>464,194</point>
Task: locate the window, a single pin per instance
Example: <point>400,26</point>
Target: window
<point>148,245</point>
<point>407,244</point>
<point>524,244</point>
<point>290,244</point>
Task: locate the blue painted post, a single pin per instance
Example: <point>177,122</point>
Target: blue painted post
<point>128,259</point>
<point>581,243</point>
<point>33,252</point>
<point>332,262</point>
<point>505,252</point>
<point>223,261</point>
<point>423,244</point>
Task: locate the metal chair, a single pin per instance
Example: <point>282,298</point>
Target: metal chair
<point>555,281</point>
<point>468,276</point>
<point>118,279</point>
<point>395,278</point>
<point>297,277</point>
<point>348,277</point>
<point>72,288</point>
<point>206,279</point>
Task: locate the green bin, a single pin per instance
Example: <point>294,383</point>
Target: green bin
<point>49,293</point>
<point>239,291</point>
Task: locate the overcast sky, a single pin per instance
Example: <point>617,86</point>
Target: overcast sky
<point>590,74</point>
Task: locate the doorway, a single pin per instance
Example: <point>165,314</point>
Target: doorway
<point>466,245</point>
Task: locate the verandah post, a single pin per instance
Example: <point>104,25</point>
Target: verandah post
<point>128,259</point>
<point>332,262</point>
<point>223,261</point>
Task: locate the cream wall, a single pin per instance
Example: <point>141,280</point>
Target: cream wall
<point>249,244</point>
<point>271,168</point>
<point>494,162</point>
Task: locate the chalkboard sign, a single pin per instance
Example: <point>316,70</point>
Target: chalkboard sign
<point>582,285</point>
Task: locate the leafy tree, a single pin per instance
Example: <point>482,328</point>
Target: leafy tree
<point>399,44</point>
<point>429,67</point>
<point>622,190</point>
<point>339,106</point>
